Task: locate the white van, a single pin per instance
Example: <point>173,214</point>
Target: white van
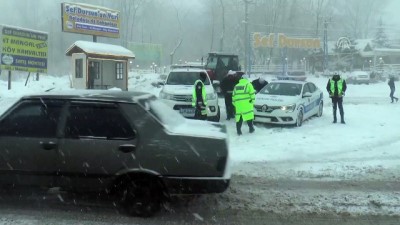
<point>359,77</point>
<point>178,89</point>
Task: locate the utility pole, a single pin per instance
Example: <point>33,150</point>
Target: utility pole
<point>246,35</point>
<point>326,22</point>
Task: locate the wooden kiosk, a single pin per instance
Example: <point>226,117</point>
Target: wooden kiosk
<point>110,63</point>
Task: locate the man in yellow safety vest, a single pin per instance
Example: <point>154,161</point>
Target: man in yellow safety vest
<point>243,99</point>
<point>199,100</point>
<point>336,88</point>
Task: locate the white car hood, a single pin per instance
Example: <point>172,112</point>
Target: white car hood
<point>275,100</point>
<point>184,89</point>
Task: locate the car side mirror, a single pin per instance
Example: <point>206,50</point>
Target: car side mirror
<point>307,95</point>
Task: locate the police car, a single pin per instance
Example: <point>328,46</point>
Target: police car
<point>288,102</point>
<point>178,89</point>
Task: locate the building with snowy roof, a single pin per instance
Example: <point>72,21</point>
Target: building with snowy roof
<point>110,64</point>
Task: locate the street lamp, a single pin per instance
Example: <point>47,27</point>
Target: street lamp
<point>285,66</point>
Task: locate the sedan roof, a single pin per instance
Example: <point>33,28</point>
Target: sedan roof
<point>100,95</point>
<point>289,81</point>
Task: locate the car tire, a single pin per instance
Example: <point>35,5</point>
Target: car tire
<point>320,109</point>
<point>217,117</point>
<point>141,197</point>
<point>299,120</point>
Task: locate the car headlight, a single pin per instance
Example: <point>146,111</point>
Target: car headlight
<point>288,108</point>
<point>211,96</point>
<point>164,95</point>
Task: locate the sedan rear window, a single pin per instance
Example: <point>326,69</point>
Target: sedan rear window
<point>288,89</point>
<point>167,116</point>
<point>184,78</point>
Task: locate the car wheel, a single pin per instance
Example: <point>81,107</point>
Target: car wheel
<point>217,117</point>
<point>320,109</point>
<point>299,120</point>
<point>141,197</point>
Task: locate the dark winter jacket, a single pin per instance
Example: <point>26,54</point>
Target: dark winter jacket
<point>391,83</point>
<point>228,84</point>
<point>335,93</point>
<point>259,84</point>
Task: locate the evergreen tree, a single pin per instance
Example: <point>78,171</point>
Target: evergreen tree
<point>381,40</point>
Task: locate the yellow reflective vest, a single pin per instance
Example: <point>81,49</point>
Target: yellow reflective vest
<point>339,86</point>
<point>243,98</point>
<point>203,95</point>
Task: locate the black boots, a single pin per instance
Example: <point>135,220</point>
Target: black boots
<point>341,119</point>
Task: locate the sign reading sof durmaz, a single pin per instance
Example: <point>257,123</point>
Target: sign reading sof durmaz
<point>282,41</point>
<point>23,49</point>
<point>90,20</point>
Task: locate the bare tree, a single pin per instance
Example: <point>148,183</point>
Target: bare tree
<point>180,38</point>
<point>221,39</point>
<point>212,24</point>
<point>129,10</point>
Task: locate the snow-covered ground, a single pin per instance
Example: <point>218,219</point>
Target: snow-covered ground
<point>365,149</point>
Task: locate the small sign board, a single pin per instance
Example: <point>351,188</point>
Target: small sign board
<point>23,49</point>
<point>90,19</point>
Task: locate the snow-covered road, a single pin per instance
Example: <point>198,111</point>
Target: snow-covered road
<point>320,170</point>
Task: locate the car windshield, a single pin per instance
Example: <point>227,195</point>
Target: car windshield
<point>184,78</point>
<point>288,89</point>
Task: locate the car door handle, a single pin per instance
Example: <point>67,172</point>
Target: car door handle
<point>127,148</point>
<point>48,145</point>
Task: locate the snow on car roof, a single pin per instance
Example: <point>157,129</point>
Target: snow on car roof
<point>108,95</point>
<point>289,81</point>
<point>190,69</point>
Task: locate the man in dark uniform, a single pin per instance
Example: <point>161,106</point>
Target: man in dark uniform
<point>392,88</point>
<point>259,83</point>
<point>336,88</point>
<point>199,100</point>
<point>91,75</point>
<point>227,86</point>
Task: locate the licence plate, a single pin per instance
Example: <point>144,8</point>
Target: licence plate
<point>263,119</point>
<point>187,112</point>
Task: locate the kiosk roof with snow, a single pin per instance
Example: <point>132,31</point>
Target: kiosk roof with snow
<point>99,50</point>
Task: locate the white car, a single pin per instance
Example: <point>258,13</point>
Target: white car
<point>178,89</point>
<point>359,77</point>
<point>288,102</point>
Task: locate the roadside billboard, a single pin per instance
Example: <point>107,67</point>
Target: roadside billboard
<point>282,41</point>
<point>23,49</point>
<point>146,53</point>
<point>90,19</point>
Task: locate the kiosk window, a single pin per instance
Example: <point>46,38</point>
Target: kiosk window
<point>119,70</point>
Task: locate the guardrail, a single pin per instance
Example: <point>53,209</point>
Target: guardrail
<point>274,68</point>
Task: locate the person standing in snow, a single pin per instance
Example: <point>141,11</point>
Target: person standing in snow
<point>243,98</point>
<point>392,89</point>
<point>199,101</point>
<point>259,83</point>
<point>91,75</point>
<point>336,88</point>
<point>227,86</point>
